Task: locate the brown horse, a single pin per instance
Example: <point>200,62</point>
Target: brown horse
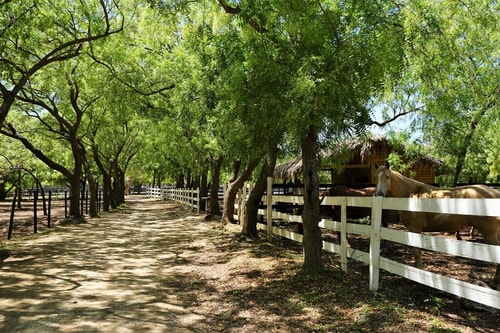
<point>392,184</point>
<point>344,191</point>
<point>352,212</point>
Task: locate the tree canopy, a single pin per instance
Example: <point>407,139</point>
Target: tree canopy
<point>159,91</point>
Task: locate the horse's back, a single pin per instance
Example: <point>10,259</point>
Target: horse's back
<point>475,191</point>
<point>468,191</point>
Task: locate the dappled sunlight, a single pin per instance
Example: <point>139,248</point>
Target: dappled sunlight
<point>111,273</point>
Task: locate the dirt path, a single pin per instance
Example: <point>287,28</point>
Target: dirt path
<point>154,267</point>
<point>109,275</point>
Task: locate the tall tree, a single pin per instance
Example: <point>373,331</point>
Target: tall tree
<point>34,35</point>
<point>339,54</point>
<point>58,106</point>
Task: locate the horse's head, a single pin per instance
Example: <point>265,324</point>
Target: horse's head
<point>383,180</point>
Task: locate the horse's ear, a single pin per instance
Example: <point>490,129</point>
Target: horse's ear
<point>387,164</point>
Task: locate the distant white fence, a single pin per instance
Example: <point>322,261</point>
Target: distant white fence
<point>154,192</point>
<point>186,197</point>
<point>376,233</point>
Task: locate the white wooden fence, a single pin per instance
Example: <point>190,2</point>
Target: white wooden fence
<point>376,233</point>
<point>186,197</point>
<point>154,192</point>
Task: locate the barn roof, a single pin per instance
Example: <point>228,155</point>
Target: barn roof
<point>359,146</point>
<point>289,169</point>
<point>363,147</point>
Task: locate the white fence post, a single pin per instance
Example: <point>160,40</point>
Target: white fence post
<point>375,242</point>
<point>241,206</point>
<point>269,209</point>
<point>343,234</point>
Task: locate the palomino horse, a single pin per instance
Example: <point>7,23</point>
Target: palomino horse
<point>392,184</point>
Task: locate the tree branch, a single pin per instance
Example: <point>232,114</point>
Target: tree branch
<point>61,52</point>
<point>228,9</point>
<point>114,72</point>
<point>395,117</point>
<point>237,11</point>
<point>12,133</point>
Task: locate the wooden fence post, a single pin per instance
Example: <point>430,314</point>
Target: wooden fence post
<point>35,217</point>
<point>198,200</point>
<point>241,206</point>
<point>269,208</point>
<point>374,254</point>
<point>65,204</point>
<point>49,209</point>
<point>13,208</point>
<point>99,198</point>
<point>82,200</point>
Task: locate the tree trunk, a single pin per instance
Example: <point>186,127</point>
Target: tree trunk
<point>203,189</point>
<point>251,218</point>
<point>106,178</point>
<point>93,198</point>
<point>232,190</point>
<point>189,179</point>
<point>112,194</point>
<point>92,190</point>
<point>106,192</point>
<point>235,170</point>
<point>74,201</point>
<point>312,244</point>
<point>228,211</point>
<point>120,185</point>
<point>153,184</point>
<point>214,188</point>
<point>76,176</point>
<point>3,191</point>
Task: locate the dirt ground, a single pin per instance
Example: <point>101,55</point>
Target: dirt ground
<point>155,267</point>
<point>24,218</point>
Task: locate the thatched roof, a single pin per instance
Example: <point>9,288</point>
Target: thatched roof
<point>288,170</point>
<point>357,148</point>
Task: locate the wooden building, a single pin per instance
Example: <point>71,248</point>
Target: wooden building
<point>353,163</point>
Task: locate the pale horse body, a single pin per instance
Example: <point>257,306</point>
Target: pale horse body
<point>392,184</point>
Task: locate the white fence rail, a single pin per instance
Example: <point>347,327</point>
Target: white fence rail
<point>376,233</point>
<point>186,197</point>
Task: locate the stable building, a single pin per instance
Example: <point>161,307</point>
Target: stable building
<point>352,162</point>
